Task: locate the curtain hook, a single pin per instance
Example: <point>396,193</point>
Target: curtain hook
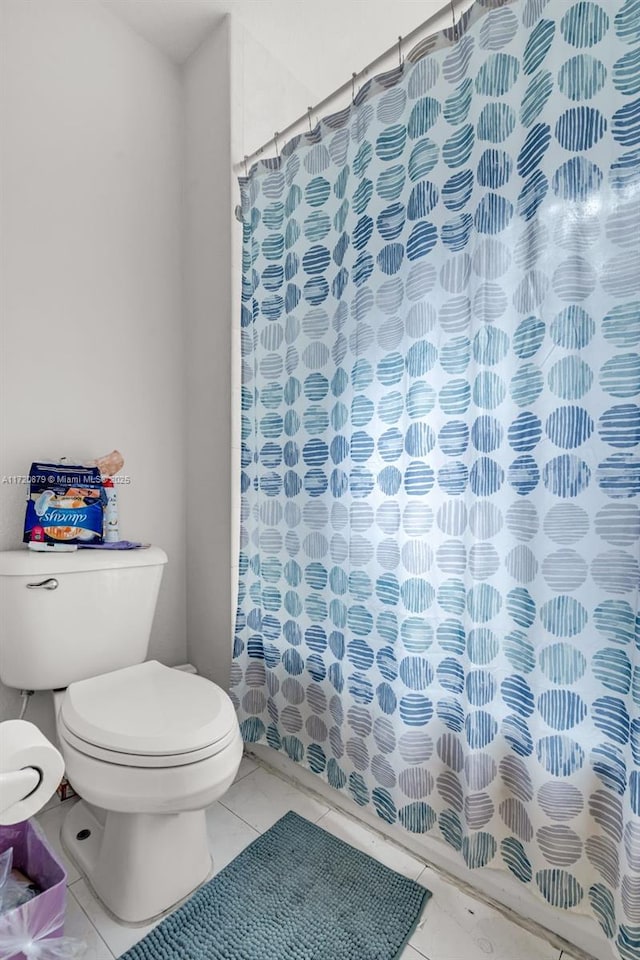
<point>353,87</point>
<point>400,51</point>
<point>453,20</point>
<point>275,140</point>
<point>310,127</point>
<point>246,173</point>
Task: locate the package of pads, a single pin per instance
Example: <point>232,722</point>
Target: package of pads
<point>65,504</point>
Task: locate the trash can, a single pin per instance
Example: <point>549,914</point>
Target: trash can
<point>34,930</point>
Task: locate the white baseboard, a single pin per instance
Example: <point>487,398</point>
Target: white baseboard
<point>576,933</point>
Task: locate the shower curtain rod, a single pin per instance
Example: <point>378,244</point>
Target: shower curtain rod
<point>452,7</point>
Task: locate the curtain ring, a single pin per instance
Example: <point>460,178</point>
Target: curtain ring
<point>310,127</point>
<point>453,20</point>
<point>400,51</point>
<point>353,87</point>
<point>275,140</point>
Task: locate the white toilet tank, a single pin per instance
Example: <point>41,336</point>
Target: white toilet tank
<point>70,616</point>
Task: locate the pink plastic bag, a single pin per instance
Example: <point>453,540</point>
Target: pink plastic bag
<point>34,931</point>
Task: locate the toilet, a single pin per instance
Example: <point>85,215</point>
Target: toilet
<point>147,747</point>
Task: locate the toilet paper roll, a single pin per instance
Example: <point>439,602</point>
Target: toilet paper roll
<point>22,746</point>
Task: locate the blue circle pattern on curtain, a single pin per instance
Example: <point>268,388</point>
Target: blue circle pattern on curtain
<point>439,573</point>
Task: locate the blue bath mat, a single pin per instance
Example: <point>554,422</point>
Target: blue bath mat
<point>296,893</point>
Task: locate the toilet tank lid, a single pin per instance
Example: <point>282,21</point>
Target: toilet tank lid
<point>31,563</point>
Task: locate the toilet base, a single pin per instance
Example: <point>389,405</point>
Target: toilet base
<point>140,865</point>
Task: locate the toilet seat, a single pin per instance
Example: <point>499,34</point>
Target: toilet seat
<point>143,759</point>
<point>147,715</point>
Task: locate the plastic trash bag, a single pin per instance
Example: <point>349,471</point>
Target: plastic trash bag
<point>33,930</point>
<point>14,891</point>
<point>30,932</point>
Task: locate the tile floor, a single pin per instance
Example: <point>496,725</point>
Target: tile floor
<point>454,926</point>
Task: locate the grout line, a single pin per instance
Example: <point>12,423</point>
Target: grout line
<point>241,819</point>
<point>247,774</point>
<point>419,952</point>
<point>90,921</point>
<point>425,883</point>
<point>299,787</point>
<point>231,810</point>
<point>238,817</point>
<point>381,838</point>
<point>289,783</point>
<point>243,777</point>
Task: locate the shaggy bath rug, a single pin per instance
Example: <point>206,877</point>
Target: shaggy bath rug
<point>296,893</point>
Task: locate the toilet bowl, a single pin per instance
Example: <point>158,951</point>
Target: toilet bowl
<point>148,748</point>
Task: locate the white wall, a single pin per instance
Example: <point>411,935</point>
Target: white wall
<point>92,327</point>
<point>267,95</point>
<point>207,269</point>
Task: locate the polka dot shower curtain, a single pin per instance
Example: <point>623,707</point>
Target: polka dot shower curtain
<point>438,591</point>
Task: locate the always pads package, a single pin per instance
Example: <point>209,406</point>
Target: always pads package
<point>65,504</point>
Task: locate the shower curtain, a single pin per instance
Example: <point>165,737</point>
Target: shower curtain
<point>438,585</point>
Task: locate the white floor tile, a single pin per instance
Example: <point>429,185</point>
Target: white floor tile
<point>247,766</point>
<point>118,938</point>
<point>363,839</point>
<point>51,822</point>
<point>260,799</point>
<point>454,925</point>
<point>410,953</point>
<point>78,925</point>
<point>228,835</point>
